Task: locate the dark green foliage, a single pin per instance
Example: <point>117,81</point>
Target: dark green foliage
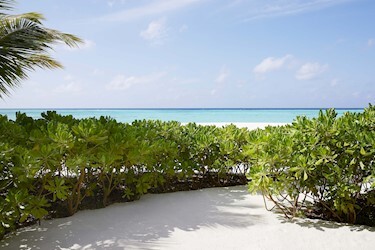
<point>56,165</point>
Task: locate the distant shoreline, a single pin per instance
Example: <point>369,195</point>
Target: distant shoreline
<point>221,116</point>
<point>249,125</point>
<point>51,109</point>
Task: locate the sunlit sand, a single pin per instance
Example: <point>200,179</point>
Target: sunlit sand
<point>214,218</point>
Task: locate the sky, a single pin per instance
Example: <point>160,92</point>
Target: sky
<point>205,54</point>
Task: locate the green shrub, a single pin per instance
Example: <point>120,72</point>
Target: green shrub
<point>56,165</point>
<point>319,167</point>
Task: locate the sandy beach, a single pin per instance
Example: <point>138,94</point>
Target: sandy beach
<point>214,218</point>
<point>142,125</point>
<point>249,125</point>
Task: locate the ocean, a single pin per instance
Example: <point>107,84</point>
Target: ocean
<point>185,115</point>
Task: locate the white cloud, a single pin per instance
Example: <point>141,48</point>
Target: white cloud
<point>306,71</point>
<point>152,9</point>
<point>310,71</point>
<point>121,82</point>
<point>371,42</point>
<point>223,75</point>
<point>275,8</point>
<point>271,64</point>
<point>156,31</point>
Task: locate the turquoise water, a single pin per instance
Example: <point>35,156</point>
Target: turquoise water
<point>184,115</point>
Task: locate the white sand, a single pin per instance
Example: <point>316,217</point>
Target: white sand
<point>215,218</point>
<point>249,125</point>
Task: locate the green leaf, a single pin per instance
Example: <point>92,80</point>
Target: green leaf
<point>58,188</point>
<point>305,176</point>
<point>349,151</point>
<point>128,193</point>
<point>362,165</point>
<point>24,217</point>
<point>39,212</point>
<point>362,151</point>
<point>320,161</point>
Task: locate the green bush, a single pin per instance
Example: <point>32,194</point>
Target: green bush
<point>56,165</point>
<point>322,167</point>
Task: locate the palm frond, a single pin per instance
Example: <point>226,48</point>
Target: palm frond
<point>68,39</point>
<point>24,46</point>
<point>43,61</point>
<point>32,16</point>
<point>6,4</point>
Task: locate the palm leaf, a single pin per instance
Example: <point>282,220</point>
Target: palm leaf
<point>24,46</point>
<point>6,5</point>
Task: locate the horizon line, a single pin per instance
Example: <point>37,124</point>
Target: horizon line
<point>274,108</point>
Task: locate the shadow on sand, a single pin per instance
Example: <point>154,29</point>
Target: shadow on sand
<point>139,224</point>
<point>322,225</point>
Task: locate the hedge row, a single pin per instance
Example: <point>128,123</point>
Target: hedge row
<point>56,165</point>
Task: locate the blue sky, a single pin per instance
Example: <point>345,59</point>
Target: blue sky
<point>206,53</point>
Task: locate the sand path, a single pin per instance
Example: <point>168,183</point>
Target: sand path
<point>214,218</point>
